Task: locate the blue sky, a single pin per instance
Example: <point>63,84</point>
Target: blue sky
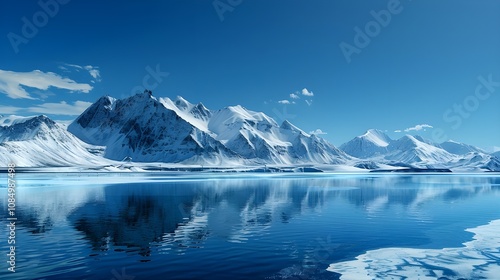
<point>432,68</point>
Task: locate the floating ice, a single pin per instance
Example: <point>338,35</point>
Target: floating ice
<point>477,259</point>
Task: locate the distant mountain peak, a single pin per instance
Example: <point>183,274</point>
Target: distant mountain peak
<point>374,131</point>
<point>377,137</point>
<point>43,119</point>
<point>373,142</point>
<point>458,148</point>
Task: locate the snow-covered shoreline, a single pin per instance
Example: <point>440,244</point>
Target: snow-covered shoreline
<point>261,169</point>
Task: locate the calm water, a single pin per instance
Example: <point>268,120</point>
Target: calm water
<point>122,226</point>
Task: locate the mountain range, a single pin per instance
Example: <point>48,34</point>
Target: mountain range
<point>144,129</point>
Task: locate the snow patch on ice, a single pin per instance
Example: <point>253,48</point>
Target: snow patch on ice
<point>477,259</point>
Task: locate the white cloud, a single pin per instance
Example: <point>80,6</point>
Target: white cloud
<point>9,110</point>
<point>397,130</point>
<point>307,92</point>
<point>309,102</point>
<point>61,108</point>
<point>418,127</point>
<point>317,132</point>
<point>294,96</point>
<point>12,83</point>
<point>496,149</point>
<point>284,102</point>
<point>93,70</point>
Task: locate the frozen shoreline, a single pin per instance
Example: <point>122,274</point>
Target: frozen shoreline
<point>169,168</point>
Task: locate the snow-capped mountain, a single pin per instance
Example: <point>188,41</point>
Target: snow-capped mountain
<point>143,129</point>
<point>476,161</point>
<point>255,135</point>
<point>39,141</point>
<point>197,115</point>
<point>496,154</point>
<point>148,129</point>
<point>414,150</point>
<point>377,149</point>
<point>459,148</point>
<point>373,143</point>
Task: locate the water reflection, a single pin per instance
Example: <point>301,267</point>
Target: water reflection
<point>157,215</point>
<point>180,215</point>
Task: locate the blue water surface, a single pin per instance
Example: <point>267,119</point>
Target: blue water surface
<point>216,226</point>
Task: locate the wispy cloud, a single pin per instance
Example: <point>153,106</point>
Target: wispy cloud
<point>284,102</point>
<point>397,130</point>
<point>418,127</point>
<point>309,102</point>
<point>61,108</point>
<point>317,132</point>
<point>13,83</point>
<point>93,70</point>
<point>9,110</point>
<point>294,96</point>
<point>306,92</point>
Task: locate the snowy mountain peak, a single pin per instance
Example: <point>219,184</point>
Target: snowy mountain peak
<point>408,139</point>
<point>38,120</point>
<point>377,137</point>
<point>106,101</point>
<point>199,111</point>
<point>182,103</point>
<point>12,120</point>
<point>373,143</point>
<point>408,142</point>
<point>147,129</point>
<point>414,150</point>
<point>201,106</point>
<point>286,125</point>
<point>458,148</point>
<point>143,96</point>
<point>39,141</point>
<point>239,116</point>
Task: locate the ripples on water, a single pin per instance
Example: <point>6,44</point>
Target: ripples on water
<point>231,227</point>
